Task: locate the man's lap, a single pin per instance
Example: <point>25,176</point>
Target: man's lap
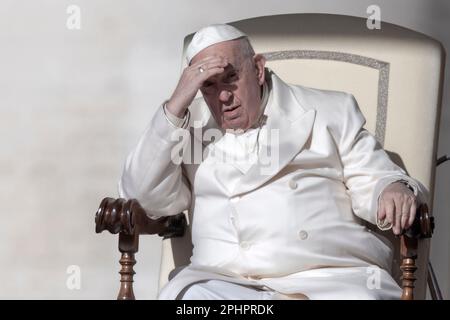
<point>323,283</point>
<point>223,290</point>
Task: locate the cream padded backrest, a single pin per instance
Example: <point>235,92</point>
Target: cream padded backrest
<point>394,73</point>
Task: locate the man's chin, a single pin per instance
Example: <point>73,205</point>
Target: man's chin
<point>234,126</point>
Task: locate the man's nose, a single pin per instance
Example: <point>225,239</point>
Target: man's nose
<point>225,95</point>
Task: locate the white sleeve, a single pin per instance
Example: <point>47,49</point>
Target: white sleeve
<point>174,120</point>
<point>367,168</point>
<point>151,176</point>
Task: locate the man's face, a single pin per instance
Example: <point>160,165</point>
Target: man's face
<point>234,96</point>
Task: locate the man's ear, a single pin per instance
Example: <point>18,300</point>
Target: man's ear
<point>260,62</point>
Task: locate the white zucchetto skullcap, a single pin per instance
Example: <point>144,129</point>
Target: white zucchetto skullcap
<point>210,35</point>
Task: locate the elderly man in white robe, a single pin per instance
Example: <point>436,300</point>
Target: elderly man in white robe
<point>286,180</point>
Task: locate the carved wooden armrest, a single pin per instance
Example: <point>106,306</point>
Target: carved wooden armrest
<point>422,228</point>
<point>129,220</point>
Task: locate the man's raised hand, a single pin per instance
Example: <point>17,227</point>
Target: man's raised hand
<point>190,82</point>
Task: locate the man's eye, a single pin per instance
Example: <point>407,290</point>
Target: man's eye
<point>231,77</point>
<point>207,84</point>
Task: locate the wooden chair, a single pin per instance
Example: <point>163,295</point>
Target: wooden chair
<point>393,72</point>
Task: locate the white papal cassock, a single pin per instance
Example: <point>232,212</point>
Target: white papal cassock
<point>279,208</point>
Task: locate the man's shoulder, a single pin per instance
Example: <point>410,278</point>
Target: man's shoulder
<point>310,97</point>
<point>333,108</point>
<point>321,99</point>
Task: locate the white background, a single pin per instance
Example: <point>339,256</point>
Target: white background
<point>74,102</point>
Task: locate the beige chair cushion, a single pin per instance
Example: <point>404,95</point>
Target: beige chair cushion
<point>394,73</point>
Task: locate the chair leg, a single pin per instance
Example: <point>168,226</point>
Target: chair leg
<point>422,228</point>
<point>126,277</point>
<point>408,250</point>
<point>408,268</point>
<point>128,246</point>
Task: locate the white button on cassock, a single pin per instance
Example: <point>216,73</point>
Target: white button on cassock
<point>302,234</point>
<point>245,245</point>
<point>233,221</point>
<point>292,184</point>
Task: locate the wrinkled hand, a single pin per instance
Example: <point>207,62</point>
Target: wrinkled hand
<point>190,82</point>
<point>397,205</point>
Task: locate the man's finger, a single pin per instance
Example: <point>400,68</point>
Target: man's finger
<point>412,214</point>
<point>214,64</point>
<point>405,214</point>
<point>212,72</point>
<point>397,216</point>
<point>389,209</point>
<point>381,211</point>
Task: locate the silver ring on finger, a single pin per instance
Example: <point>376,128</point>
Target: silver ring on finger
<point>201,70</point>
